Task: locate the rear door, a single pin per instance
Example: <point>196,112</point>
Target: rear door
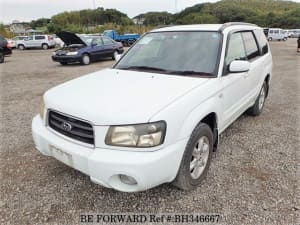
<point>39,40</point>
<point>254,57</point>
<point>109,46</point>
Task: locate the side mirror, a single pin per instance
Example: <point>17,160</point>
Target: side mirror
<point>118,57</point>
<point>239,66</point>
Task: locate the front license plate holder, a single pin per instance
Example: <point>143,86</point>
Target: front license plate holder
<point>62,156</point>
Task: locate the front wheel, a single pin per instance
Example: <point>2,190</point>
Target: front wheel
<point>258,106</point>
<point>85,59</point>
<point>21,47</point>
<point>115,54</point>
<point>196,158</point>
<point>45,46</point>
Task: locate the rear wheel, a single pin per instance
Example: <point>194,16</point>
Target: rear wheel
<point>1,57</point>
<point>85,59</point>
<point>270,39</point>
<point>258,106</point>
<point>196,158</point>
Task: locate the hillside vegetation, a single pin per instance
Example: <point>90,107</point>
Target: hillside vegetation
<point>265,13</point>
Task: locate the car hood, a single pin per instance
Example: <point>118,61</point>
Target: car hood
<point>112,97</point>
<point>70,38</point>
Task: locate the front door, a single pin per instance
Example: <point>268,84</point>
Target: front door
<point>235,85</point>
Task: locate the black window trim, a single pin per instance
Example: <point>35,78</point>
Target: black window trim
<point>259,45</point>
<point>225,69</point>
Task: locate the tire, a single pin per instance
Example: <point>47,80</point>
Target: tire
<point>114,56</point>
<point>1,57</point>
<point>85,60</point>
<point>189,178</point>
<point>270,39</point>
<point>285,39</point>
<point>45,46</point>
<point>258,106</point>
<point>21,47</point>
<point>63,63</point>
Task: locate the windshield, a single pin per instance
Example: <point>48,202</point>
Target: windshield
<point>88,39</point>
<point>179,53</point>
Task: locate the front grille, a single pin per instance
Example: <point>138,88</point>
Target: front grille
<point>71,127</point>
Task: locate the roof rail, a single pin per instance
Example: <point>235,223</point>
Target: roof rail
<point>225,25</point>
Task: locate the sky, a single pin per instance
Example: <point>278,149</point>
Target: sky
<point>27,10</point>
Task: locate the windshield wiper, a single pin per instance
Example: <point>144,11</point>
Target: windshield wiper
<point>143,68</point>
<point>192,73</point>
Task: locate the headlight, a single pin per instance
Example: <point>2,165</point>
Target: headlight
<point>139,135</point>
<point>42,108</point>
<point>72,53</point>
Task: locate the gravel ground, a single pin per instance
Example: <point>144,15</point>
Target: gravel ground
<point>252,180</point>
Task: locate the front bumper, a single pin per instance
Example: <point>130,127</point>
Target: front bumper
<point>104,166</point>
<point>66,58</point>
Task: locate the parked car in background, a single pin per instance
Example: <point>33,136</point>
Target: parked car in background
<point>295,33</point>
<point>13,42</point>
<point>277,34</point>
<point>5,49</point>
<point>125,39</point>
<point>85,48</point>
<point>59,43</point>
<point>36,41</point>
<point>155,117</point>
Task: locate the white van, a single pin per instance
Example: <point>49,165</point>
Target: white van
<point>277,34</point>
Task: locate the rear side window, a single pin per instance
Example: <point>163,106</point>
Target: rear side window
<point>107,41</point>
<point>236,50</point>
<point>39,37</point>
<point>251,47</point>
<point>262,41</point>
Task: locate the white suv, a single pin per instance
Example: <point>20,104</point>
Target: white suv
<point>156,115</point>
<point>36,41</point>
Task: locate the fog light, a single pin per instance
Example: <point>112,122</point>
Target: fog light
<point>128,179</point>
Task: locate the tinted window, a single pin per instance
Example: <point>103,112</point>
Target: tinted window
<point>262,41</point>
<point>236,49</point>
<point>39,37</point>
<point>107,41</point>
<point>252,50</point>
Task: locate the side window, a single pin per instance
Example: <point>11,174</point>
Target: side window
<point>252,50</point>
<point>262,41</point>
<point>29,38</point>
<point>236,49</point>
<point>97,41</point>
<point>39,37</point>
<point>271,31</point>
<point>107,41</point>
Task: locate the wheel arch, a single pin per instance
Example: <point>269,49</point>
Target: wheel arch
<point>267,80</point>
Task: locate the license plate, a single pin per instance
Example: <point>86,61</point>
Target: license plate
<point>62,156</point>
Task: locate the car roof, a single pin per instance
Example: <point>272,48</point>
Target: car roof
<point>208,27</point>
